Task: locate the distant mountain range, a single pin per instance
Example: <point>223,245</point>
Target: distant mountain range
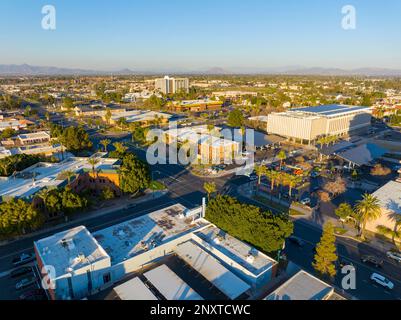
<point>28,70</point>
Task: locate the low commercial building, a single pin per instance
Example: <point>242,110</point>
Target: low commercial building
<point>390,202</point>
<point>142,117</point>
<point>27,183</point>
<point>306,125</point>
<point>196,105</point>
<point>33,138</point>
<point>159,248</point>
<point>211,148</point>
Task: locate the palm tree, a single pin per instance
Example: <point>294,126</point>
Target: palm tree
<point>292,182</point>
<point>273,176</point>
<point>93,162</point>
<point>367,209</point>
<point>281,156</point>
<point>260,171</point>
<point>68,175</point>
<point>120,147</point>
<point>210,187</point>
<point>105,143</point>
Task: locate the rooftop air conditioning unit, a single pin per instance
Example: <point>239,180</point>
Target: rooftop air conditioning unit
<point>250,259</point>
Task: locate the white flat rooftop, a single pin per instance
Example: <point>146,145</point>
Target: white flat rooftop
<point>70,250</point>
<point>212,269</point>
<point>390,196</point>
<point>171,286</point>
<point>302,286</point>
<point>131,238</point>
<point>42,175</point>
<point>248,257</point>
<point>35,135</point>
<point>134,289</point>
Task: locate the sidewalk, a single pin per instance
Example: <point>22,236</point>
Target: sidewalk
<point>125,204</point>
<point>318,220</point>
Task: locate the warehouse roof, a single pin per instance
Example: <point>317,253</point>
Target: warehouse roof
<point>171,286</point>
<point>302,286</point>
<point>212,269</point>
<point>363,154</point>
<point>134,289</point>
<point>390,196</point>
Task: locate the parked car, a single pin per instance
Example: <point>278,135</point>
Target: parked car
<point>306,201</point>
<point>377,262</point>
<point>394,255</point>
<point>381,280</point>
<point>20,272</point>
<point>23,259</point>
<point>315,174</point>
<point>24,283</point>
<point>297,241</point>
<point>37,294</point>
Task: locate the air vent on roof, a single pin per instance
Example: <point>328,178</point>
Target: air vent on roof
<point>250,259</point>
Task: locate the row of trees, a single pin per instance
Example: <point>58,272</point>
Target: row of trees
<point>278,178</point>
<point>72,138</point>
<point>18,217</point>
<point>62,200</point>
<point>261,229</point>
<point>18,162</point>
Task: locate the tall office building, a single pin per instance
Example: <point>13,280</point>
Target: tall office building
<point>168,85</point>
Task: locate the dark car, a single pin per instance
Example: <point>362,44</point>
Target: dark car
<point>37,294</point>
<point>20,272</point>
<point>23,259</point>
<point>297,241</point>
<point>375,261</point>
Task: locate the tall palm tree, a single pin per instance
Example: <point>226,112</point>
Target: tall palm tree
<point>260,172</point>
<point>93,162</point>
<point>273,176</point>
<point>281,156</point>
<point>105,143</point>
<point>68,175</point>
<point>210,187</point>
<point>367,209</point>
<point>292,182</point>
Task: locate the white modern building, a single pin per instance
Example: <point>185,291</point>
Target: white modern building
<point>169,85</point>
<point>308,124</point>
<point>88,263</point>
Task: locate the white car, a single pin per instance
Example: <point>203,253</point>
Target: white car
<point>305,201</point>
<point>380,280</point>
<point>394,255</point>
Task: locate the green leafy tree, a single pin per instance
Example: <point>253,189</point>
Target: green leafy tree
<point>368,209</point>
<point>326,253</point>
<point>17,217</point>
<point>108,194</point>
<point>68,103</point>
<point>210,188</point>
<point>264,230</point>
<point>344,211</point>
<point>235,118</point>
<point>134,174</point>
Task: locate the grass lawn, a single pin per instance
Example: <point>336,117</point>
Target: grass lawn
<point>157,186</point>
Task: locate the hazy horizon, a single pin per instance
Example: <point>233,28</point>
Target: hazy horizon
<point>199,35</point>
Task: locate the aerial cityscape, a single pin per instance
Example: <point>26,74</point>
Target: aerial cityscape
<point>178,160</point>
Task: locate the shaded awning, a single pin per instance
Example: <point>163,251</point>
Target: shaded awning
<point>363,154</point>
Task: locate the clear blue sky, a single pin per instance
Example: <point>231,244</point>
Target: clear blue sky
<point>199,34</point>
